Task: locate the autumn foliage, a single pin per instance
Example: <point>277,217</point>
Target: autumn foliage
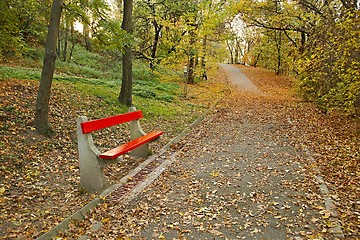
<point>330,71</point>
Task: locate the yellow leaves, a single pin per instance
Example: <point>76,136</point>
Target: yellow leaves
<point>73,167</point>
<point>103,198</point>
<point>215,173</point>
<point>326,214</point>
<point>30,174</point>
<point>331,224</point>
<point>105,220</point>
<point>2,190</point>
<point>319,207</point>
<point>281,218</point>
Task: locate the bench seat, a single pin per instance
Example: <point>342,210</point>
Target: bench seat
<point>127,147</point>
<point>92,161</point>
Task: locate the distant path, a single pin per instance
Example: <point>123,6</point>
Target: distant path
<point>235,76</point>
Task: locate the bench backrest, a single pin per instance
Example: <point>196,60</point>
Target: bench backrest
<point>94,125</point>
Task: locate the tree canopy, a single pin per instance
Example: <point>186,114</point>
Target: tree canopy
<point>316,41</point>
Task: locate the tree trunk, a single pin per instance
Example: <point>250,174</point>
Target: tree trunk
<point>191,63</point>
<point>125,96</point>
<point>41,119</point>
<point>58,49</point>
<point>231,52</point>
<point>66,38</point>
<point>87,39</point>
<point>257,59</point>
<point>72,42</point>
<point>155,43</point>
<point>191,67</point>
<point>239,49</point>
<point>278,48</point>
<point>157,29</point>
<point>302,43</point>
<point>203,59</point>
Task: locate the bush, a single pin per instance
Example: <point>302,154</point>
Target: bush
<point>331,75</point>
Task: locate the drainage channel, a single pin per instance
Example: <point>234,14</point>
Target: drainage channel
<point>131,190</point>
<point>142,176</point>
<point>128,187</point>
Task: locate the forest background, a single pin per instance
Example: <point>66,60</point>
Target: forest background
<point>316,41</point>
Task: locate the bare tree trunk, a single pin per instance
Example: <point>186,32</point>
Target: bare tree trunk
<point>278,48</point>
<point>231,52</point>
<point>72,42</point>
<point>66,38</point>
<point>87,39</point>
<point>191,74</point>
<point>257,59</point>
<point>239,50</point>
<point>157,29</point>
<point>302,43</point>
<point>58,49</point>
<point>191,63</point>
<point>203,59</point>
<point>41,119</point>
<point>155,44</point>
<point>125,96</point>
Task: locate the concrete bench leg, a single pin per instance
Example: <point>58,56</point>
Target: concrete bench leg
<point>91,169</point>
<point>135,132</point>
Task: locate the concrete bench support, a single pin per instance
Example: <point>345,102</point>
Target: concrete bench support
<point>91,168</point>
<point>91,164</point>
<point>135,132</point>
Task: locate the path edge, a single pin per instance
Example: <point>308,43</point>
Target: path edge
<point>335,224</point>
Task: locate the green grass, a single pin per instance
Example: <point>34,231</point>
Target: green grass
<point>94,74</point>
<point>157,94</point>
<point>19,73</point>
<point>149,88</point>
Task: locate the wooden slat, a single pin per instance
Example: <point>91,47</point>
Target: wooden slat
<point>94,125</point>
<point>127,147</point>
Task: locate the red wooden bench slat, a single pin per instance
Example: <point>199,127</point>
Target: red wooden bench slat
<point>127,147</point>
<point>94,125</point>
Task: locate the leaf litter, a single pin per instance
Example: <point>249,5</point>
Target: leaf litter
<point>40,176</point>
<point>239,184</point>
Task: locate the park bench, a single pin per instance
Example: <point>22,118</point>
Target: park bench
<point>92,161</point>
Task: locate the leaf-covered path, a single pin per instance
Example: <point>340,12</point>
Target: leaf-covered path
<point>238,175</point>
<point>220,183</point>
<point>237,178</point>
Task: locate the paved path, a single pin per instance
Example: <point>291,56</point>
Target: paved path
<point>236,176</point>
<point>239,79</point>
